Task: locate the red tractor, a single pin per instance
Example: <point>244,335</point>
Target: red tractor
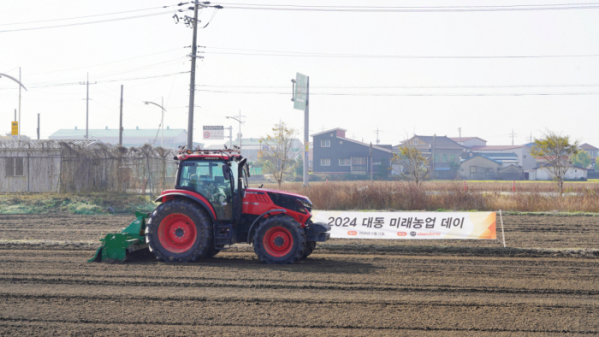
<point>212,207</point>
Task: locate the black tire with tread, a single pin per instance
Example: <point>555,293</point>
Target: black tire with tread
<point>201,220</point>
<point>212,251</point>
<point>298,234</point>
<point>310,245</point>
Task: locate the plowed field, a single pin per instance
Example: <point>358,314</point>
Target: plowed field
<point>47,288</point>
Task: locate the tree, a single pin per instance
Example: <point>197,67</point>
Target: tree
<point>582,159</point>
<point>277,152</point>
<point>558,151</point>
<point>413,162</point>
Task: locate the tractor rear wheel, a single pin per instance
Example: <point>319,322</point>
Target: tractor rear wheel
<point>179,231</point>
<point>279,240</point>
<point>310,245</point>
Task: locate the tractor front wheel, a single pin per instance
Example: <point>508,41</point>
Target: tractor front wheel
<point>279,240</point>
<point>310,245</point>
<point>179,231</point>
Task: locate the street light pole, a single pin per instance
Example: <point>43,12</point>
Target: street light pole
<point>162,119</point>
<point>240,121</point>
<point>20,85</point>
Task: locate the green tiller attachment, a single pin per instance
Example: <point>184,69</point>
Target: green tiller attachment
<point>116,246</point>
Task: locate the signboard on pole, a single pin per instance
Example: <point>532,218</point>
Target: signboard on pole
<point>14,128</point>
<point>409,226</point>
<point>301,92</point>
<point>214,132</point>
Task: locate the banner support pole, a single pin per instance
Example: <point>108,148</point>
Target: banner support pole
<point>502,233</point>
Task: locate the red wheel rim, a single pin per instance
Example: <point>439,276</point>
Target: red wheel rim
<point>278,241</point>
<point>177,233</point>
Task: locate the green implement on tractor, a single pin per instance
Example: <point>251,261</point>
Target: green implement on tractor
<point>116,246</point>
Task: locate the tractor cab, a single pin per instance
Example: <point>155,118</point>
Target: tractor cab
<point>220,180</point>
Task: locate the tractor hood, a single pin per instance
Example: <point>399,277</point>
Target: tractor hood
<point>266,190</point>
<point>292,201</point>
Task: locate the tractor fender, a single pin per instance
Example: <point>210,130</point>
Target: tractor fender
<point>199,199</point>
<point>261,217</point>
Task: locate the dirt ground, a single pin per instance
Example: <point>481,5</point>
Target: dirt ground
<point>345,289</point>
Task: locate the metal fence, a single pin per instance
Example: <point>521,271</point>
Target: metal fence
<point>84,166</point>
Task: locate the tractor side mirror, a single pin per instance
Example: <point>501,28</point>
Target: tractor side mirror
<point>226,173</point>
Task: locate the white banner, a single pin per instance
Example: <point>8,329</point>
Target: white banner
<point>406,225</point>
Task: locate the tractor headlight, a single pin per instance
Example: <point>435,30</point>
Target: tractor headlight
<point>306,204</point>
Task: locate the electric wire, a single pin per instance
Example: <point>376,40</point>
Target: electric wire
<point>86,16</point>
<point>254,52</point>
<point>441,9</point>
<point>405,94</point>
<point>87,23</point>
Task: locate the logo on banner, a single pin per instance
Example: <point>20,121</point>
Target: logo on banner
<point>352,233</point>
<point>402,233</point>
<point>413,233</point>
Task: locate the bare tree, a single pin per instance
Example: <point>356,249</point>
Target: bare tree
<point>278,153</point>
<point>414,164</point>
<point>558,151</point>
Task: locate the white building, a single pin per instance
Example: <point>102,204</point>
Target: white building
<point>543,173</point>
<point>525,160</point>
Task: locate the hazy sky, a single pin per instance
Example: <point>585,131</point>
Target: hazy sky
<point>251,56</point>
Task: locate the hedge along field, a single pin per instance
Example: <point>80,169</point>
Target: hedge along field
<point>448,195</point>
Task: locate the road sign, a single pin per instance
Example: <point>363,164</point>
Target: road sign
<point>214,132</point>
<point>15,128</point>
<point>301,92</point>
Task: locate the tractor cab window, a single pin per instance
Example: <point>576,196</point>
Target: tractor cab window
<point>206,178</point>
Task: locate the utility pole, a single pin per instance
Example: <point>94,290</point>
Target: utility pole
<point>460,132</point>
<point>86,107</point>
<point>434,153</point>
<point>121,120</point>
<point>307,134</point>
<point>192,84</point>
<point>377,135</point>
<point>513,135</point>
<point>38,126</point>
<point>371,164</point>
<point>162,123</point>
<point>19,135</point>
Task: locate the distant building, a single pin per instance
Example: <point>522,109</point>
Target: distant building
<point>525,159</point>
<point>444,153</point>
<point>543,173</point>
<point>592,151</point>
<point>336,154</point>
<point>173,138</point>
<point>469,141</point>
<point>479,168</point>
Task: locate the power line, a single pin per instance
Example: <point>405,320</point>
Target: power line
<point>104,63</point>
<point>253,52</point>
<point>86,23</point>
<point>86,16</point>
<point>52,85</point>
<point>409,86</point>
<point>410,94</point>
<point>371,9</point>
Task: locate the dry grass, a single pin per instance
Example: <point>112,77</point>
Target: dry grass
<point>482,196</point>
